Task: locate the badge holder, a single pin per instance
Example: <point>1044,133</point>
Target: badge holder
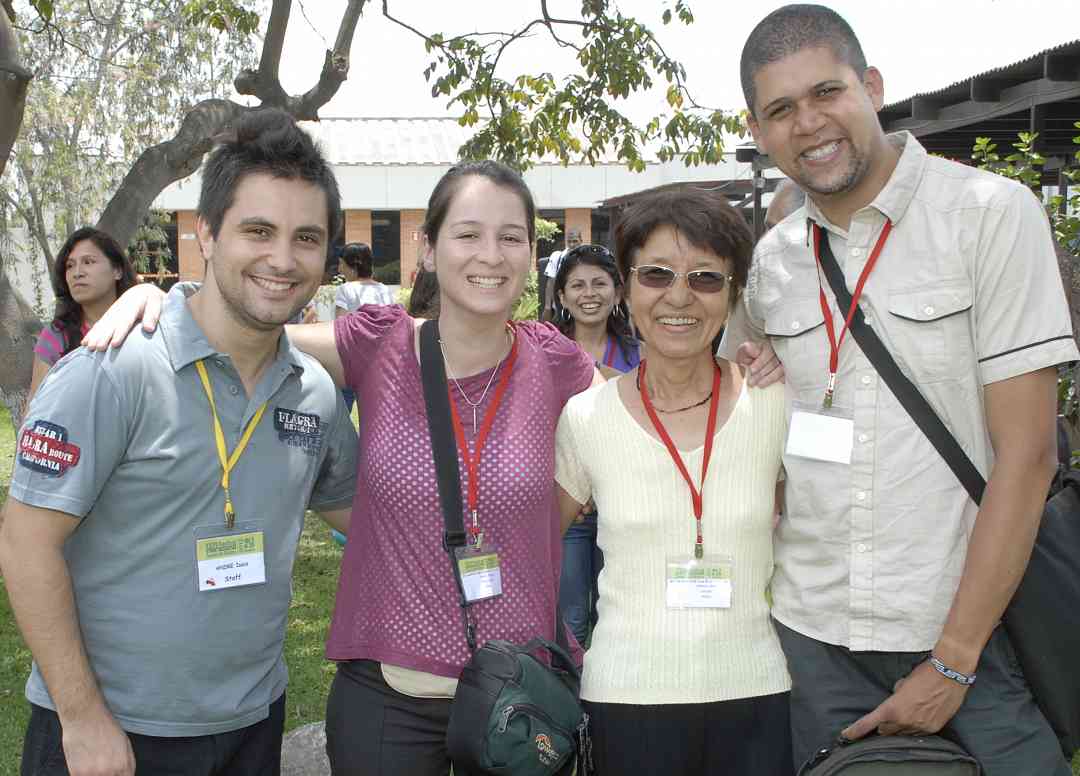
<point>478,566</point>
<point>821,433</point>
<point>698,583</point>
<point>227,558</point>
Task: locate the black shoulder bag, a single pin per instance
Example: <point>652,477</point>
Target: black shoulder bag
<point>1043,618</point>
<point>512,713</point>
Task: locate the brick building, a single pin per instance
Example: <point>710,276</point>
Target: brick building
<point>386,169</point>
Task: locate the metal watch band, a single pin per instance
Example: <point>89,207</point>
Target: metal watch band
<point>965,679</point>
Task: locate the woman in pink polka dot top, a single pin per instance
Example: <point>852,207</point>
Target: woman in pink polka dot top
<point>397,632</point>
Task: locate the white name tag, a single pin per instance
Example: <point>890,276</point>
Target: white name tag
<point>480,574</point>
<point>820,437</point>
<point>234,559</point>
<point>693,583</point>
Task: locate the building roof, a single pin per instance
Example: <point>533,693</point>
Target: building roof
<point>1039,93</point>
<point>389,141</point>
<point>407,141</point>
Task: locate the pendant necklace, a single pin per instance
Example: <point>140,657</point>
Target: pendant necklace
<point>474,405</point>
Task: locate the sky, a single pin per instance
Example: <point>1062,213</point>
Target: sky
<point>927,45</point>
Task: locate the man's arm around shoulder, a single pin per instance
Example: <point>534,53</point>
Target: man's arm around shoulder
<point>39,586</point>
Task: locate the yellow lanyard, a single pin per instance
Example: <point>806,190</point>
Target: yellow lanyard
<point>227,461</point>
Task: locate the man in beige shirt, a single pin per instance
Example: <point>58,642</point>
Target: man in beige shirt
<point>882,560</point>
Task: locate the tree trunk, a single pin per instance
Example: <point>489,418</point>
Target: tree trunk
<point>160,165</point>
<point>14,79</point>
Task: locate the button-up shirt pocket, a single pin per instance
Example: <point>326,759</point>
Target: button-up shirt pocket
<point>930,330</point>
<point>797,333</point>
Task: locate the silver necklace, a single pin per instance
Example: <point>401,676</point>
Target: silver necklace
<point>474,405</point>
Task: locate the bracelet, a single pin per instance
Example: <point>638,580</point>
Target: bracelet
<point>965,679</point>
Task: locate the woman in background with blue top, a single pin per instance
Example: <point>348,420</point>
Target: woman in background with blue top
<point>589,309</point>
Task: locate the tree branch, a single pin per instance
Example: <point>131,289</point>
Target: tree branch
<point>265,82</point>
<point>165,163</point>
<point>335,68</point>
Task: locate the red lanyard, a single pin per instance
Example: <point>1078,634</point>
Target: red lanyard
<point>609,353</point>
<point>710,431</point>
<point>472,461</point>
<point>834,342</point>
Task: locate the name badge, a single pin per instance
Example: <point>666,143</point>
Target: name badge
<point>698,583</point>
<point>821,435</point>
<point>226,559</point>
<point>481,577</point>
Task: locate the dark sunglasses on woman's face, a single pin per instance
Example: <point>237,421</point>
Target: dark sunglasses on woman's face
<point>701,280</point>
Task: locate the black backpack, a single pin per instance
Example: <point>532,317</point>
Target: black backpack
<point>893,756</point>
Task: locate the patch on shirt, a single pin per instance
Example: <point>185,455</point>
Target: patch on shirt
<point>43,448</point>
<point>298,429</point>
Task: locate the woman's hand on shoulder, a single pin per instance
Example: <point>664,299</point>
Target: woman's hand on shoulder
<point>143,301</point>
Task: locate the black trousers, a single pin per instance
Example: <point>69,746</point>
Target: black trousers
<point>373,730</point>
<point>251,751</point>
<point>745,737</point>
<point>999,723</point>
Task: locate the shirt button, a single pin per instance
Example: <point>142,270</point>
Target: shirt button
<point>861,547</point>
<point>868,319</point>
<point>865,380</point>
<point>864,438</point>
<point>928,310</point>
<point>856,252</point>
<point>860,496</point>
<point>795,325</point>
<point>234,390</point>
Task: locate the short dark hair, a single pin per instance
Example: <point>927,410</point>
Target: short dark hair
<point>618,325</point>
<point>358,255</point>
<point>498,173</point>
<point>266,141</point>
<point>68,314</point>
<point>791,29</point>
<point>704,218</point>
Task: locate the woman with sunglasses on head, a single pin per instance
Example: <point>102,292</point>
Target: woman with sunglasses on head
<point>90,271</point>
<point>590,310</point>
<point>684,674</point>
<point>397,632</point>
<point>589,307</point>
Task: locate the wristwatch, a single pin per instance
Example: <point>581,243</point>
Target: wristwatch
<point>965,679</point>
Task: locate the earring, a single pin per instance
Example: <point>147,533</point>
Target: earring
<point>565,315</point>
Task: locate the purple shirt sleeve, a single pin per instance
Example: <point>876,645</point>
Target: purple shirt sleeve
<point>358,335</point>
<point>571,367</point>
<point>49,345</point>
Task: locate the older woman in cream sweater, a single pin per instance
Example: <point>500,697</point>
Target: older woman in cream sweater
<point>684,674</point>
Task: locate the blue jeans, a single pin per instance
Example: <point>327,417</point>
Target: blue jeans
<point>581,564</point>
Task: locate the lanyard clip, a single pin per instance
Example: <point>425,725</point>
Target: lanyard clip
<point>699,551</point>
<point>830,388</point>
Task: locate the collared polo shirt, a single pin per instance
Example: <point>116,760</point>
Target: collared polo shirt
<point>124,441</point>
<point>966,292</point>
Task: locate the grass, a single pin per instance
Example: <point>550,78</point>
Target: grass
<point>314,583</point>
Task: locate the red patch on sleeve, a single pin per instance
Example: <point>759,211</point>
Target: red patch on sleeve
<point>45,449</point>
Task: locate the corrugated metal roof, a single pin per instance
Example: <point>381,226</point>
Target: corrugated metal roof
<point>1025,69</point>
<point>394,141</point>
<point>406,141</point>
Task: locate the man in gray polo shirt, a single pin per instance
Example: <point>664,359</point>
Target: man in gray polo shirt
<point>159,493</point>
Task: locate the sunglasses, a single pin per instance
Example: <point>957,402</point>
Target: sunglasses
<point>598,251</point>
<point>701,280</point>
